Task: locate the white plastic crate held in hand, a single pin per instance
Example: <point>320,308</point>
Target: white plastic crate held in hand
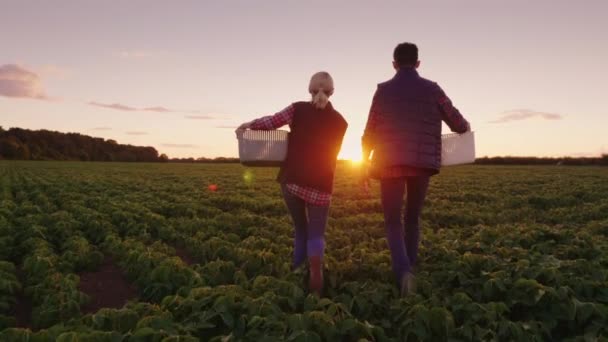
<point>269,148</point>
<point>263,148</point>
<point>457,149</point>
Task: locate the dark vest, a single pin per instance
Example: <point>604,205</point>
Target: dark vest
<point>314,142</point>
<point>409,133</point>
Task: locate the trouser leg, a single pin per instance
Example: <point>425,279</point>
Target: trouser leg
<point>317,221</point>
<point>297,210</point>
<point>392,191</point>
<point>416,193</point>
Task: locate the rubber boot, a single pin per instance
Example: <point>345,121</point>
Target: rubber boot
<point>315,281</point>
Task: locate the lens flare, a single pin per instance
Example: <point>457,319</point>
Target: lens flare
<point>248,177</point>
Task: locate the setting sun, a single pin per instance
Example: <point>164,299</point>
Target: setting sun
<point>285,170</point>
<point>350,152</point>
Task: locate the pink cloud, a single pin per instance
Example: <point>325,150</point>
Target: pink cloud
<point>16,81</point>
<point>158,109</point>
<point>116,106</point>
<point>54,71</point>
<point>200,117</point>
<point>136,133</point>
<point>523,114</point>
<point>101,128</point>
<point>133,54</point>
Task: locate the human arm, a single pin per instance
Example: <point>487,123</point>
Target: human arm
<point>450,114</point>
<point>368,138</point>
<point>270,122</point>
<point>368,143</point>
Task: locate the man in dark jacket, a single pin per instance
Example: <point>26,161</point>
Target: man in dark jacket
<point>403,137</point>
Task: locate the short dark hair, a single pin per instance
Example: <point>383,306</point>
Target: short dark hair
<point>406,54</point>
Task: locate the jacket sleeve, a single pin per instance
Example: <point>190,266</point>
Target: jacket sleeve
<point>450,114</point>
<point>368,138</point>
<point>270,122</point>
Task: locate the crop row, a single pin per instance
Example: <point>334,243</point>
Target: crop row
<point>490,269</point>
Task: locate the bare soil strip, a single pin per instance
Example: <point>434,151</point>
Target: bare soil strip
<point>107,287</point>
<point>184,255</point>
<point>23,308</point>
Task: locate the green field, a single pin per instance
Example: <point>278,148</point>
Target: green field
<point>508,253</point>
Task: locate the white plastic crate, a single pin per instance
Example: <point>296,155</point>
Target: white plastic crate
<point>269,148</point>
<point>457,149</point>
<point>263,148</point>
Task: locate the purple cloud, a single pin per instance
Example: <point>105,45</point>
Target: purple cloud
<point>15,81</point>
<point>523,114</point>
<point>180,145</point>
<point>136,133</point>
<point>116,106</point>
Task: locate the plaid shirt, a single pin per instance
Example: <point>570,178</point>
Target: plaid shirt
<point>282,118</point>
<point>449,114</point>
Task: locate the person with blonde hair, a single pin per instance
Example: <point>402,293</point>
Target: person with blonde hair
<point>307,174</point>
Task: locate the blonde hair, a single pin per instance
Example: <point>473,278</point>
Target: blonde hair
<point>321,87</point>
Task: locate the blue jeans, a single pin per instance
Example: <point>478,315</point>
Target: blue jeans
<point>403,247</point>
<point>309,222</point>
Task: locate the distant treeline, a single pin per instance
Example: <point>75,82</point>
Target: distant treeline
<point>218,160</point>
<point>603,160</point>
<point>25,144</point>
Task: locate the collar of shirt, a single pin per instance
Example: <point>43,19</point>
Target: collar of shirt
<point>406,73</point>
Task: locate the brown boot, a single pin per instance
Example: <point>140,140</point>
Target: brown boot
<point>315,281</point>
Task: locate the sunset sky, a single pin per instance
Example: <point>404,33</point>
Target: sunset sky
<point>531,76</point>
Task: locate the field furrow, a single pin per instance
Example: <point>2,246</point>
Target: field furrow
<point>187,252</point>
